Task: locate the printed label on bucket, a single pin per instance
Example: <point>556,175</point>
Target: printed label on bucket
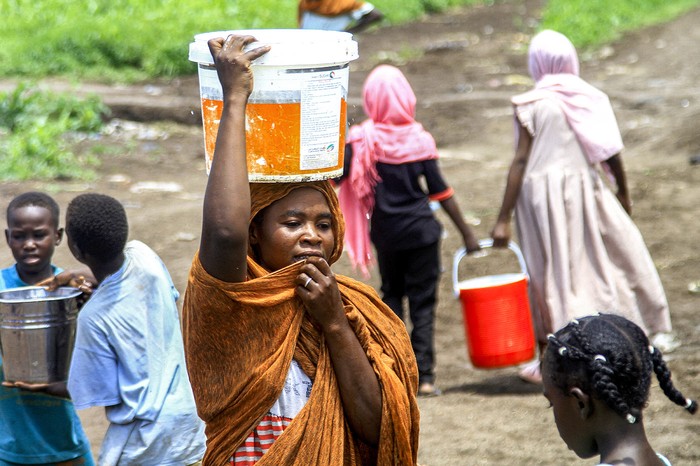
<point>321,95</point>
<point>295,121</point>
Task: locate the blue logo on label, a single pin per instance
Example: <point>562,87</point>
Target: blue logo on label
<point>330,147</point>
<point>332,74</point>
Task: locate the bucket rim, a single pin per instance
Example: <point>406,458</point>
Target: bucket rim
<point>461,253</point>
<point>290,47</point>
<point>66,292</point>
<point>507,279</point>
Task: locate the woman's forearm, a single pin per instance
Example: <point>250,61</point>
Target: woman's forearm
<point>227,198</point>
<point>510,196</point>
<point>516,173</point>
<point>618,172</point>
<point>226,212</point>
<point>357,381</point>
<point>455,213</point>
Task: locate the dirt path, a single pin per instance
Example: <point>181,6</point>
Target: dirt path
<point>464,66</point>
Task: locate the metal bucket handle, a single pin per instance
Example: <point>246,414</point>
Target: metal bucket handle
<point>483,243</point>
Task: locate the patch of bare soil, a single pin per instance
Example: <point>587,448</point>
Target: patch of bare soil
<point>464,65</point>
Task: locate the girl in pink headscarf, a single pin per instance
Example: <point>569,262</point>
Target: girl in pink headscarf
<point>383,202</point>
<point>583,252</point>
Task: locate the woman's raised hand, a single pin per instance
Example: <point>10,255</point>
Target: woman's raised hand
<point>233,64</point>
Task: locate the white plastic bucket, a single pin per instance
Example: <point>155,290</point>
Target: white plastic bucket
<point>297,113</point>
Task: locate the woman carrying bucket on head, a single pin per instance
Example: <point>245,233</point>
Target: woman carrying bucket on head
<point>583,252</point>
<point>275,341</point>
<point>389,156</point>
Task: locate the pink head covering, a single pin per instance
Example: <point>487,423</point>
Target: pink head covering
<point>551,53</point>
<point>553,64</point>
<point>390,135</point>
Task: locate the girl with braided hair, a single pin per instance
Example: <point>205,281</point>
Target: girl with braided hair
<point>596,374</point>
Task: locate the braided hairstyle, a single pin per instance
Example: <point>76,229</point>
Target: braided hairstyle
<point>610,357</point>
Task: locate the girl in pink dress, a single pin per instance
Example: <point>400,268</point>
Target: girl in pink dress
<point>583,252</point>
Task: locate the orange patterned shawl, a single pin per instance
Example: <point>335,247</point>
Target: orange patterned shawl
<point>240,339</point>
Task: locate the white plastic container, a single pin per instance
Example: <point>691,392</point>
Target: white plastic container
<point>297,113</point>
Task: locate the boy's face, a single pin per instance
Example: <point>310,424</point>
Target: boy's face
<point>32,237</point>
<point>293,228</point>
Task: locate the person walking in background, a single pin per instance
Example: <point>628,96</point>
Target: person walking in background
<point>596,374</point>
<point>290,363</point>
<point>582,250</point>
<point>36,426</point>
<point>388,157</point>
<point>129,354</point>
<point>338,15</point>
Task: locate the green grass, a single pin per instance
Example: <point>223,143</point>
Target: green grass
<point>36,131</point>
<point>132,40</point>
<point>589,23</point>
<point>124,40</point>
<point>140,39</point>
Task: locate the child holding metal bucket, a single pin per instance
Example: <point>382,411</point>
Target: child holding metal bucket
<point>389,157</point>
<point>583,251</point>
<point>596,374</point>
<point>36,427</point>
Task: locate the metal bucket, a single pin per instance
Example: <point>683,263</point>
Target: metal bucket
<point>37,333</point>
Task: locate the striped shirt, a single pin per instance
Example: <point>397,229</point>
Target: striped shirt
<point>296,391</point>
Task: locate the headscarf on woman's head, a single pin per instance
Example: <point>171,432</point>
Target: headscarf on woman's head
<point>264,194</point>
<point>551,52</point>
<point>390,135</point>
<point>554,65</point>
<point>395,136</point>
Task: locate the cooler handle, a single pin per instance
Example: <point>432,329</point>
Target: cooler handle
<point>484,243</point>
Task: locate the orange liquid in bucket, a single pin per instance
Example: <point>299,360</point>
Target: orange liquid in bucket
<point>498,324</point>
<point>297,111</point>
<point>273,138</point>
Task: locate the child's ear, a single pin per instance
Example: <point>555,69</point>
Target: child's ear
<point>7,235</point>
<point>584,402</point>
<point>253,234</point>
<point>77,253</point>
<point>59,236</point>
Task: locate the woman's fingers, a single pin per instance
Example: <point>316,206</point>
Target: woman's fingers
<point>305,281</point>
<point>317,265</point>
<point>315,274</point>
<point>233,46</point>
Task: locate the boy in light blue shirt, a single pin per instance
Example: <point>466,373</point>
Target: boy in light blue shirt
<point>129,354</point>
